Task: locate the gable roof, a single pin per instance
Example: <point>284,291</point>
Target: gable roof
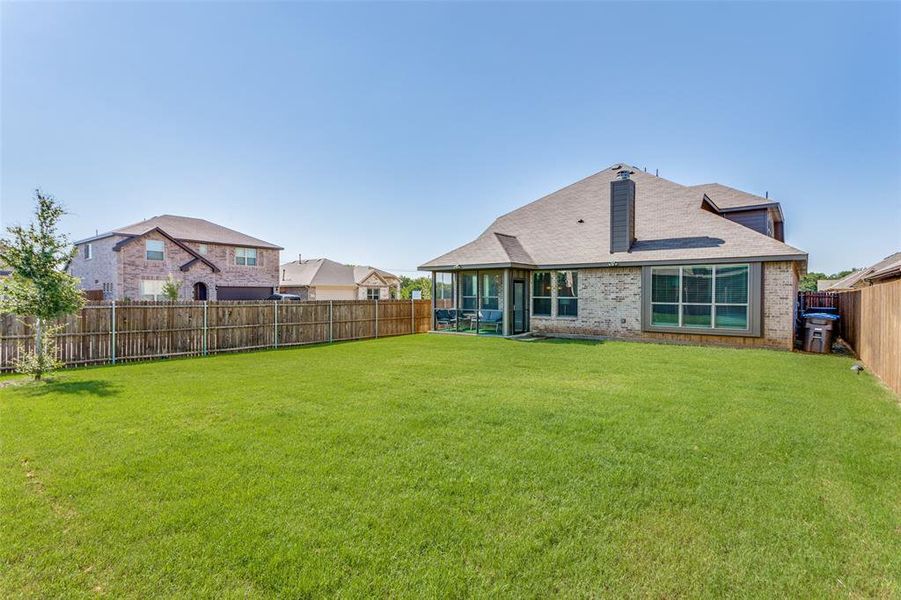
<point>323,271</point>
<point>196,256</point>
<point>890,266</point>
<point>571,227</point>
<point>189,229</point>
<point>362,273</point>
<point>727,199</point>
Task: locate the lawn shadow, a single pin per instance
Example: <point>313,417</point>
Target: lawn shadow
<point>571,341</point>
<point>95,388</point>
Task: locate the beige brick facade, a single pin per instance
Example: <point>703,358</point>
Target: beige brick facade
<point>780,293</point>
<point>610,305</point>
<point>356,292</point>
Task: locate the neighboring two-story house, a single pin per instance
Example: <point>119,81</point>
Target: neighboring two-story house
<point>210,261</point>
<point>324,279</point>
<point>627,254</point>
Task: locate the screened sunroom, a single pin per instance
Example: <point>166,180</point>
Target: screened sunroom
<point>483,302</point>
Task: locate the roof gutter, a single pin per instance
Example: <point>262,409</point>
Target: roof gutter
<point>615,263</point>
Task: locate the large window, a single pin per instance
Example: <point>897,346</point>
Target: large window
<point>468,313</point>
<point>567,293</point>
<point>152,289</point>
<point>469,296</point>
<point>701,297</point>
<point>491,282</point>
<point>154,250</point>
<point>246,256</point>
<point>444,290</point>
<point>445,313</point>
<point>541,293</point>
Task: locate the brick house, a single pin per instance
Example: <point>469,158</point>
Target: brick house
<point>887,269</point>
<point>626,254</point>
<point>212,262</point>
<point>324,279</point>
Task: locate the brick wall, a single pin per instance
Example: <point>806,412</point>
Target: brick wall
<point>610,305</point>
<point>780,292</point>
<point>100,269</point>
<point>133,267</point>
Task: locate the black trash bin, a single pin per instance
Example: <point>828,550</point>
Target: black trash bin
<point>818,328</point>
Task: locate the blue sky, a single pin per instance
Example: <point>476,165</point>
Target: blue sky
<point>390,133</point>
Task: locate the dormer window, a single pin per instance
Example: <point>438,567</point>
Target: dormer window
<point>154,250</point>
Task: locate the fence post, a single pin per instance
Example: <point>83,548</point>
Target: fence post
<point>204,328</point>
<point>330,338</point>
<point>275,309</point>
<point>112,337</point>
<point>412,316</point>
<point>376,319</point>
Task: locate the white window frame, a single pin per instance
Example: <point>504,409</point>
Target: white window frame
<point>713,303</point>
<point>157,284</point>
<point>147,249</point>
<point>244,255</point>
<point>88,251</point>
<point>534,296</point>
<point>369,293</point>
<point>557,296</point>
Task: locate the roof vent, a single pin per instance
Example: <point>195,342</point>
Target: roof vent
<point>624,174</point>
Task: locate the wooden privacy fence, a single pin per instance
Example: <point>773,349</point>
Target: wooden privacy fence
<point>114,332</point>
<point>810,301</point>
<point>871,324</point>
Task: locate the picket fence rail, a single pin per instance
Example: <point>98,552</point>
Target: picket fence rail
<point>111,332</point>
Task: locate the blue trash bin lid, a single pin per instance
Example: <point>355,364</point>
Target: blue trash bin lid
<point>820,315</point>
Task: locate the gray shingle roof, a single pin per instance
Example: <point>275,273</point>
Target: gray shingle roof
<point>572,227</point>
<point>190,229</point>
<point>726,197</point>
<point>887,267</point>
<point>322,271</point>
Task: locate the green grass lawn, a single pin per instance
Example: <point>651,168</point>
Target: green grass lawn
<point>454,466</point>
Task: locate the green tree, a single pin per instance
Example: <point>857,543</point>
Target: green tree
<point>39,287</point>
<point>171,288</point>
<point>808,282</point>
<point>408,284</point>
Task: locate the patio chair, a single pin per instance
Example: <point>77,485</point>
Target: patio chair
<point>446,317</point>
<point>492,318</point>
